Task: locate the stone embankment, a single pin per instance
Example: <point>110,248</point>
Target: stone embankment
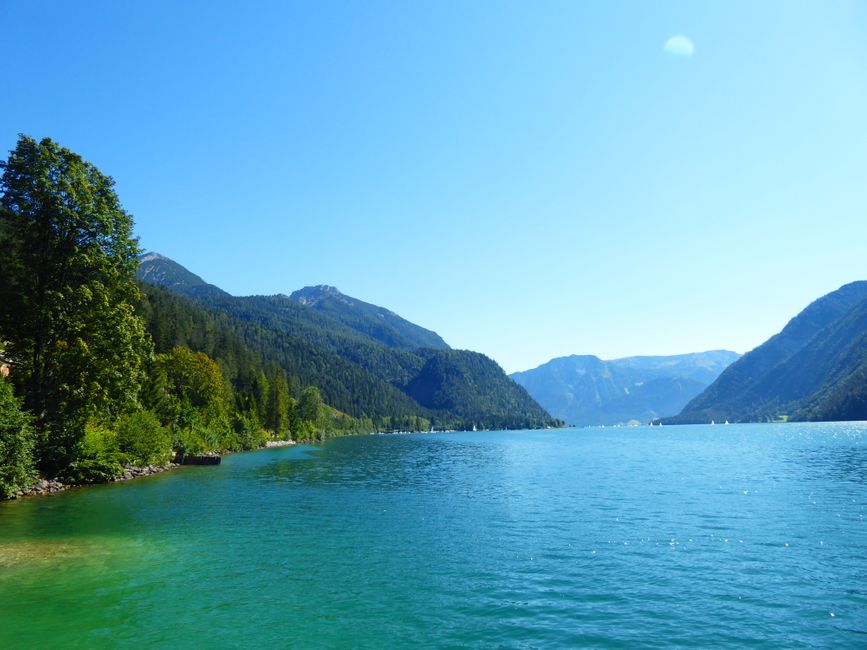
<point>278,443</point>
<point>44,487</point>
<point>131,471</point>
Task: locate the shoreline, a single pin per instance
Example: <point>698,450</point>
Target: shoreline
<point>49,487</point>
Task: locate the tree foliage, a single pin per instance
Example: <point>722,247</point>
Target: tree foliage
<point>16,443</point>
<point>142,438</point>
<point>97,456</point>
<point>196,385</point>
<point>67,292</point>
<point>278,407</point>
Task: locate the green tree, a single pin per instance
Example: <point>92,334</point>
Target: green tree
<point>248,432</point>
<point>311,411</point>
<point>97,458</point>
<point>195,383</point>
<point>67,290</point>
<point>261,394</point>
<point>277,416</point>
<point>310,404</point>
<point>16,443</point>
<point>141,437</point>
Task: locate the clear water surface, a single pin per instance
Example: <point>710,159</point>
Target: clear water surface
<point>725,536</point>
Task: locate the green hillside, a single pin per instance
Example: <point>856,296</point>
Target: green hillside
<point>468,384</point>
<point>812,369</point>
<point>242,347</point>
<point>376,322</point>
<point>367,361</point>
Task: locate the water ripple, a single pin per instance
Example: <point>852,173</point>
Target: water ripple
<point>687,536</point>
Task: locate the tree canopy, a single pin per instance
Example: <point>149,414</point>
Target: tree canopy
<point>67,293</point>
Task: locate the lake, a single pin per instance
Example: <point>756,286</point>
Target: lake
<point>692,536</point>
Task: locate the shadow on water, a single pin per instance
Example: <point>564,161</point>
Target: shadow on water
<point>62,516</point>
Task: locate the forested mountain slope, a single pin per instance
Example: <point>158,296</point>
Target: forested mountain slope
<point>809,370</point>
<point>377,322</point>
<point>242,348</point>
<point>367,361</point>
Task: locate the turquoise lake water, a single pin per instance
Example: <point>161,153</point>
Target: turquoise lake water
<point>725,536</point>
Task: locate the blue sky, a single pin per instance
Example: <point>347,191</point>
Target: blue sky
<point>529,179</point>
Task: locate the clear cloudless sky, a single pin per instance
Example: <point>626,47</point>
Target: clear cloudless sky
<point>528,179</point>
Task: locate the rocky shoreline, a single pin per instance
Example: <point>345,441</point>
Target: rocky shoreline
<point>278,443</point>
<point>45,487</point>
<point>131,471</point>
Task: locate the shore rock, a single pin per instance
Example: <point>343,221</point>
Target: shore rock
<point>278,443</point>
<point>131,471</point>
<point>44,486</point>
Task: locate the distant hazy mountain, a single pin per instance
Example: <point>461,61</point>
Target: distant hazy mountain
<point>815,368</point>
<point>366,360</point>
<point>585,390</point>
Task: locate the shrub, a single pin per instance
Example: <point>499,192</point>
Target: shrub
<point>248,434</point>
<point>196,439</point>
<point>98,457</point>
<point>16,443</point>
<point>142,439</point>
<point>306,430</point>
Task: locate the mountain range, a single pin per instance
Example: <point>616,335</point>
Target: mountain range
<point>585,390</point>
<point>814,369</point>
<point>367,361</point>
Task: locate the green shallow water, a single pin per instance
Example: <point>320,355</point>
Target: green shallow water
<point>742,535</point>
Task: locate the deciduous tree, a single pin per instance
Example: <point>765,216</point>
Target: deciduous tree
<point>67,290</point>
